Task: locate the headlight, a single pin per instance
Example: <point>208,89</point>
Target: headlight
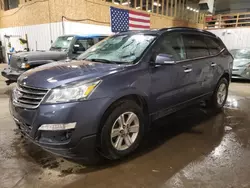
<point>25,66</point>
<point>79,91</point>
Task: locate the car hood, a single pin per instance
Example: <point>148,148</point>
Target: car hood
<point>241,62</point>
<point>59,73</point>
<point>42,55</point>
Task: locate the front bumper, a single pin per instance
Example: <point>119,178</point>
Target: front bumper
<point>85,148</point>
<point>11,74</point>
<point>77,143</point>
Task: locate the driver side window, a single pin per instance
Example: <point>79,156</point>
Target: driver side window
<point>171,44</point>
<point>84,44</point>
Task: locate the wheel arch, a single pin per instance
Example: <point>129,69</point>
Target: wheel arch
<point>139,99</point>
<point>227,76</point>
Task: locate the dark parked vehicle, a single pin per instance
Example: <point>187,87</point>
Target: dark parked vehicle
<point>104,101</point>
<point>241,64</point>
<point>67,46</point>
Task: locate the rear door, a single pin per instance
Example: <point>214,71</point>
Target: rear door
<point>197,54</point>
<point>215,47</point>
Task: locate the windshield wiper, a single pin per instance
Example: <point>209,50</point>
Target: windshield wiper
<point>101,60</point>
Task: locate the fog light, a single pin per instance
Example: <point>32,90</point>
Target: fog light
<point>57,127</point>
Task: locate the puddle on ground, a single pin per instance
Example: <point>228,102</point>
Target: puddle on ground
<point>186,137</point>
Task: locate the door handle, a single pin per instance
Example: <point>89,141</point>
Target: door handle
<point>156,66</point>
<point>187,70</point>
<point>213,64</point>
<point>187,66</point>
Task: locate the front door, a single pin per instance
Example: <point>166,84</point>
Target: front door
<point>171,84</point>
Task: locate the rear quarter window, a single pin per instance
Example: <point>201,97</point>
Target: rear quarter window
<point>214,45</point>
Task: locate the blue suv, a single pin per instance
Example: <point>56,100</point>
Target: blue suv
<point>103,102</point>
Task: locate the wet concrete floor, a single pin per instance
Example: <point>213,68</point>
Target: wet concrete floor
<point>192,148</point>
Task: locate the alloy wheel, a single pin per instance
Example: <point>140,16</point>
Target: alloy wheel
<point>221,94</point>
<point>125,131</point>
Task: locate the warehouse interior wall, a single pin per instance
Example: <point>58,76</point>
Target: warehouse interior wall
<point>235,38</point>
<point>42,20</point>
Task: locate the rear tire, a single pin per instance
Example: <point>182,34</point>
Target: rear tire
<point>122,131</point>
<point>220,94</point>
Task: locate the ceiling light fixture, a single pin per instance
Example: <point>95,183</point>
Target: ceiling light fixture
<point>157,4</point>
<point>126,3</point>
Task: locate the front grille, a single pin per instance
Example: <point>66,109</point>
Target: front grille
<point>15,62</point>
<point>28,97</point>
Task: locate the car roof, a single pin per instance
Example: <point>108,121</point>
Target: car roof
<point>163,30</point>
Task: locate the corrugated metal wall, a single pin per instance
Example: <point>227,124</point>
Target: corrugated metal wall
<point>81,28</point>
<point>40,36</point>
<point>234,38</point>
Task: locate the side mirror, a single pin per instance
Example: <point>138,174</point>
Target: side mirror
<point>164,59</point>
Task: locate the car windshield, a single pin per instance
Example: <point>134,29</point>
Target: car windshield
<point>62,43</point>
<point>120,48</point>
<point>241,54</point>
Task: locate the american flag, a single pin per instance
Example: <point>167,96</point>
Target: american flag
<point>124,20</point>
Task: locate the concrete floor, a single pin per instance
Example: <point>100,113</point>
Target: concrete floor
<point>194,148</point>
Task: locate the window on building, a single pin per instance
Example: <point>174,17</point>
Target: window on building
<point>195,46</point>
<point>10,4</point>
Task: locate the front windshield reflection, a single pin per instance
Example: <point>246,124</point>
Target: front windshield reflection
<point>124,48</point>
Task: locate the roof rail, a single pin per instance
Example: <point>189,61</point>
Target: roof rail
<point>188,28</point>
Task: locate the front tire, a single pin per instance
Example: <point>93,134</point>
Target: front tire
<point>122,131</point>
<point>220,94</point>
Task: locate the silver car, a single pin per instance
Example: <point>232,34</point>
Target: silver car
<point>241,64</point>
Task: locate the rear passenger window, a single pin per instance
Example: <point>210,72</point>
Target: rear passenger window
<point>214,46</point>
<point>195,46</point>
